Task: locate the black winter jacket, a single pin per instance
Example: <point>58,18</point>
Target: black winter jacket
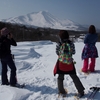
<point>5,48</point>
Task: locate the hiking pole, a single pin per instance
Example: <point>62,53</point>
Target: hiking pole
<point>92,95</point>
<point>97,89</point>
<point>95,93</point>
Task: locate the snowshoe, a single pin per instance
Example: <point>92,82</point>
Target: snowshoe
<point>63,94</point>
<point>18,85</point>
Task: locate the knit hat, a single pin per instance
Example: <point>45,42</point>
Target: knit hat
<point>4,31</point>
<point>63,34</point>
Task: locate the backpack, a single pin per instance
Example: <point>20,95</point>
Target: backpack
<point>65,53</point>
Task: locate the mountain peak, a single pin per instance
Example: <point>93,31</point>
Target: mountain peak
<point>44,19</point>
<point>43,12</point>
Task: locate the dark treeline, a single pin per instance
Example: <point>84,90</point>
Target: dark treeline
<point>23,33</point>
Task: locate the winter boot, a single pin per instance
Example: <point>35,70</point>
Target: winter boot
<point>61,90</point>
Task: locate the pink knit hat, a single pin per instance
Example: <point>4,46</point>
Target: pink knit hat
<point>4,31</point>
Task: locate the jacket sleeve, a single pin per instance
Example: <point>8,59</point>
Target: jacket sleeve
<point>72,48</point>
<point>86,39</point>
<point>13,42</point>
<point>58,47</point>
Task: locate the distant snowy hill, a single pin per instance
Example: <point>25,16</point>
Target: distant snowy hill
<point>44,19</point>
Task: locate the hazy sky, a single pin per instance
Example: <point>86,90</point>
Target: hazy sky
<point>84,12</point>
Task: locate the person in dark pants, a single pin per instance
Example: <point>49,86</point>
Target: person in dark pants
<point>6,40</point>
<point>65,64</point>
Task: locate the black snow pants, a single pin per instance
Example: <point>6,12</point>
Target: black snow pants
<point>76,81</point>
<point>8,61</point>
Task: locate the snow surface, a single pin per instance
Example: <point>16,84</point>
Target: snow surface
<point>35,62</point>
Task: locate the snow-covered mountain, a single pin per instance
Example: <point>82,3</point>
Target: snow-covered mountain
<point>44,19</point>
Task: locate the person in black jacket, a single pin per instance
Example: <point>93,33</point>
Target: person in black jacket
<point>6,40</point>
